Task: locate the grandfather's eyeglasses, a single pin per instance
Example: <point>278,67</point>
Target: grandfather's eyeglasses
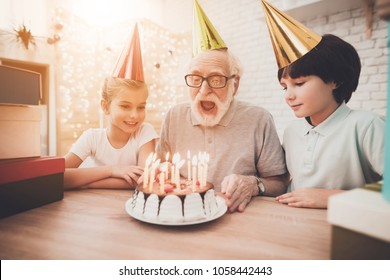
<point>214,81</point>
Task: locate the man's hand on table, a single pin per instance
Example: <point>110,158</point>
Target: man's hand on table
<point>238,191</point>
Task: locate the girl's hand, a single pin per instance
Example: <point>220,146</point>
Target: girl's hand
<point>307,198</point>
<point>129,173</point>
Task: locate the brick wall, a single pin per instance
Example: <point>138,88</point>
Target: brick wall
<point>243,28</point>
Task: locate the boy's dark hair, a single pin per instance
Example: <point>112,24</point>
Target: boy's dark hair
<point>333,60</point>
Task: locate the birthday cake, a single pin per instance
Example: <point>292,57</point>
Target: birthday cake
<point>172,204</point>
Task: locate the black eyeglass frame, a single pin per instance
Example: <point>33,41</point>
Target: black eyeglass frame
<point>207,80</point>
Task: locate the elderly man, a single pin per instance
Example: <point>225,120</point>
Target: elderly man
<point>246,157</point>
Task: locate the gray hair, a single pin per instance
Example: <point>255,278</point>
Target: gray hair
<point>235,67</point>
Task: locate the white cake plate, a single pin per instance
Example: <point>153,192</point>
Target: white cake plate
<point>221,205</point>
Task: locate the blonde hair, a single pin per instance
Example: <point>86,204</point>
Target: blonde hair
<point>112,86</point>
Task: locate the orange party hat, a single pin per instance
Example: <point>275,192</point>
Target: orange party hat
<point>204,35</point>
<point>129,64</point>
<point>290,39</point>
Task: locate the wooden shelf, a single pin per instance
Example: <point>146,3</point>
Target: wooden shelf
<point>315,8</point>
<point>303,10</point>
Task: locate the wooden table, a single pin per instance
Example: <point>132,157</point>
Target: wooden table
<point>93,224</point>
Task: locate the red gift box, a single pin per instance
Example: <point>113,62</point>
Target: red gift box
<point>30,182</point>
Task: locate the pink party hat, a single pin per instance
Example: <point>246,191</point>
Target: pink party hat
<point>129,64</point>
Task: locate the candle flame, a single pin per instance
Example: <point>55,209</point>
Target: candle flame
<point>194,160</point>
<point>164,167</point>
<point>176,158</point>
<point>202,158</point>
<point>155,164</point>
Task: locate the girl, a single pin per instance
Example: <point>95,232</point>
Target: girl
<point>331,148</point>
<point>117,152</point>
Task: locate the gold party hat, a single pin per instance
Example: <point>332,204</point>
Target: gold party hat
<point>204,35</point>
<point>129,64</point>
<point>290,39</point>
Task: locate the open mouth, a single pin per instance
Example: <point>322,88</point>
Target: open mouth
<point>207,106</point>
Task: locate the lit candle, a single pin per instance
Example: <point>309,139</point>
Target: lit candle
<point>177,173</point>
<point>205,168</point>
<point>162,181</point>
<point>167,169</point>
<point>194,164</point>
<point>172,173</point>
<point>151,179</point>
<point>163,169</point>
<point>153,174</point>
<point>200,167</point>
<point>146,171</point>
<point>189,165</point>
<point>175,160</point>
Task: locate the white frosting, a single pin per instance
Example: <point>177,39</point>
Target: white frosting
<point>138,203</point>
<point>193,207</point>
<point>171,208</point>
<point>210,203</point>
<point>151,206</point>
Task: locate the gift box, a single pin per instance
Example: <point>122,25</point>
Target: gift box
<point>360,220</point>
<point>19,86</point>
<point>20,128</point>
<point>30,183</point>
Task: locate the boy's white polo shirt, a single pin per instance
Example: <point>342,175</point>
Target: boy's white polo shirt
<point>345,151</point>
